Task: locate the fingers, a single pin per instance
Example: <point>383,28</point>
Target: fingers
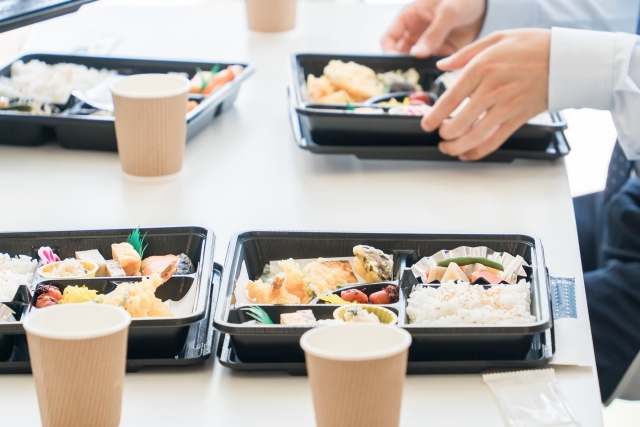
<point>451,99</point>
<point>474,137</point>
<point>407,22</point>
<point>494,141</point>
<point>436,33</point>
<point>461,58</point>
<point>481,101</point>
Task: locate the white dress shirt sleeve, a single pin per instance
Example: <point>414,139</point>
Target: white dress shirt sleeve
<point>594,69</point>
<point>601,15</point>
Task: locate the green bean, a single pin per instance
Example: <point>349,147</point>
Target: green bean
<point>466,260</point>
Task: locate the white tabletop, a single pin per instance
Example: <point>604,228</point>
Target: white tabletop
<point>245,172</point>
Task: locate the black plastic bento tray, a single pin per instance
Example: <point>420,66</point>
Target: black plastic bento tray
<point>431,343</point>
<point>148,337</point>
<point>81,131</point>
<point>539,355</point>
<point>28,12</point>
<point>197,348</point>
<point>332,129</point>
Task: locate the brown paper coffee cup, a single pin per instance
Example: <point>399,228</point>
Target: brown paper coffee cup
<point>356,373</point>
<point>78,357</point>
<point>150,118</point>
<point>270,16</point>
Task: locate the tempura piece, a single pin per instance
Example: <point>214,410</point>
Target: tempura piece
<point>272,292</point>
<point>319,87</point>
<point>372,264</point>
<point>128,258</point>
<point>323,276</point>
<point>295,280</point>
<point>138,298</point>
<point>359,81</point>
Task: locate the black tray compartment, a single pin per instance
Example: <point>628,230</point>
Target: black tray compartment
<point>197,348</point>
<point>144,341</point>
<point>443,343</point>
<point>86,132</point>
<point>148,337</point>
<point>331,129</point>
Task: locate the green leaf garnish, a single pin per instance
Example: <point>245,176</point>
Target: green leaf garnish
<point>349,106</point>
<point>258,314</point>
<point>215,69</point>
<point>137,242</point>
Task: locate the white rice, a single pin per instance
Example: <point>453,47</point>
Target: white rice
<point>13,273</point>
<point>49,83</point>
<point>462,303</point>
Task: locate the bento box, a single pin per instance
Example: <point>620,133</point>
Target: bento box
<point>74,124</point>
<point>368,126</point>
<point>251,264</point>
<point>179,297</point>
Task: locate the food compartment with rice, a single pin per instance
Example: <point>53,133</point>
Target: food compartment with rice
<point>176,263</point>
<point>254,323</point>
<point>369,100</point>
<point>65,98</point>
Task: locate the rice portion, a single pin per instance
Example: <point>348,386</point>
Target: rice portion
<point>49,83</point>
<point>463,303</point>
<point>70,267</point>
<point>14,272</point>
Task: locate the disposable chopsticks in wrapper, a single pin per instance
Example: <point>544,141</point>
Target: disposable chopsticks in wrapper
<point>531,398</point>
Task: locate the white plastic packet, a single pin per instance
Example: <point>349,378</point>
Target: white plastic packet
<point>6,314</point>
<point>531,398</point>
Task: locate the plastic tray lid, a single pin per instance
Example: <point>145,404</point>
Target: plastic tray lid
<point>19,13</point>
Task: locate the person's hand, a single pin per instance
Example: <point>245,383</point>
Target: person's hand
<point>506,75</point>
<point>435,27</point>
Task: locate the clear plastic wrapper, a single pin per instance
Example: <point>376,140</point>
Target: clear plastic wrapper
<point>531,398</point>
<point>6,314</point>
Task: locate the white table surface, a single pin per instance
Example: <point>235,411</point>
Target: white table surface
<point>245,172</point>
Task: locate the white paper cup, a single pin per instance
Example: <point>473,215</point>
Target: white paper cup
<point>270,16</point>
<point>151,126</point>
<point>78,357</point>
<point>356,372</point>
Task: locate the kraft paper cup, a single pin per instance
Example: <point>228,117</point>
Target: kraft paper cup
<point>151,127</point>
<point>270,16</point>
<point>356,372</point>
<point>78,357</point>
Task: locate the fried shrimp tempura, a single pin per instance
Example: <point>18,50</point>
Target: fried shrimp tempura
<point>272,292</point>
<point>138,298</point>
<point>323,276</point>
<point>359,81</point>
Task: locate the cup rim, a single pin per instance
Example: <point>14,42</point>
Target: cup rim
<point>102,332</point>
<point>153,95</point>
<point>371,355</point>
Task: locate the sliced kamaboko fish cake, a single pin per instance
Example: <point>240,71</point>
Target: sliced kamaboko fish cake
<point>372,264</point>
<point>453,273</point>
<point>323,276</point>
<point>436,273</point>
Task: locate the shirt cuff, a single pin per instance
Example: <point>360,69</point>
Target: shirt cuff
<point>507,15</point>
<point>581,69</point>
